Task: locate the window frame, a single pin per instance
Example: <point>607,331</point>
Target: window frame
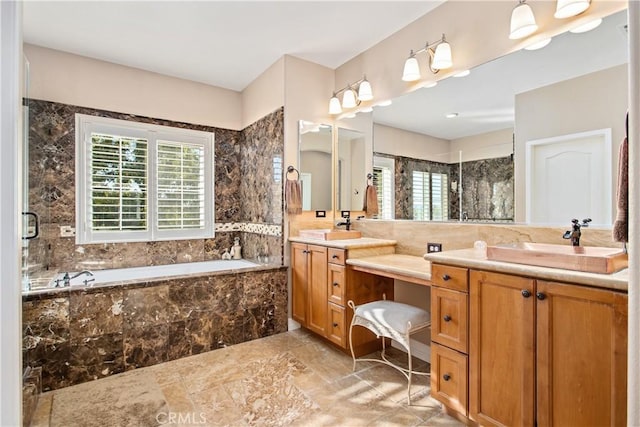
<point>427,177</point>
<point>86,125</point>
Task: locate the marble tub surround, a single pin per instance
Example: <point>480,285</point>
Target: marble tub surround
<point>83,334</point>
<point>244,162</point>
<point>477,258</point>
<point>412,236</point>
<point>285,379</point>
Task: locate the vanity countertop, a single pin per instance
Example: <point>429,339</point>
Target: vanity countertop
<point>474,258</point>
<point>410,268</point>
<point>361,243</point>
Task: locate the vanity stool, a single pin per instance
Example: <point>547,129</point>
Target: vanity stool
<point>390,319</point>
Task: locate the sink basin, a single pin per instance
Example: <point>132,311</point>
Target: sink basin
<point>590,259</point>
<point>329,234</point>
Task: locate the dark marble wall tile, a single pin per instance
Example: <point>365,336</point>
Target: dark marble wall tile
<point>261,167</point>
<point>98,332</point>
<point>93,314</point>
<point>257,246</point>
<point>96,357</point>
<point>488,192</point>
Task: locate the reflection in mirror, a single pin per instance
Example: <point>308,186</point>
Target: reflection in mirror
<point>474,130</point>
<point>315,148</point>
<point>351,173</point>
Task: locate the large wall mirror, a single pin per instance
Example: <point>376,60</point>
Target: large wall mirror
<point>315,147</point>
<point>458,151</point>
<point>351,170</point>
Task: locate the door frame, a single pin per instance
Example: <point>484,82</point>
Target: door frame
<point>530,146</point>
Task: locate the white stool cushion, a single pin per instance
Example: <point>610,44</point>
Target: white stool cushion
<point>393,315</point>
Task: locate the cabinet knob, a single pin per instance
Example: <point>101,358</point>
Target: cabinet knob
<point>540,296</point>
<point>304,251</point>
<point>446,277</point>
<point>335,284</point>
<point>446,377</point>
<point>447,318</point>
<point>335,325</point>
<point>335,257</point>
<point>526,293</point>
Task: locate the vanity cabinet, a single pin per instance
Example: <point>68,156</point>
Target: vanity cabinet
<point>545,353</point>
<point>322,284</point>
<point>449,336</point>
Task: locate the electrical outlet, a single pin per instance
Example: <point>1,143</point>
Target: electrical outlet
<point>67,231</point>
<point>434,247</point>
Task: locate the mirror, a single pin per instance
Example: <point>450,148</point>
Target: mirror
<point>315,143</point>
<point>351,171</point>
<point>474,130</point>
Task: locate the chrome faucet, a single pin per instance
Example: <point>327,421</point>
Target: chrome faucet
<point>346,223</point>
<point>575,233</point>
<point>66,279</point>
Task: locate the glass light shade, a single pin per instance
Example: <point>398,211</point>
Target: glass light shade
<point>442,57</point>
<point>569,8</point>
<point>587,26</point>
<point>365,93</point>
<point>539,44</point>
<point>463,73</point>
<point>411,71</point>
<point>523,23</point>
<point>334,106</point>
<point>349,99</point>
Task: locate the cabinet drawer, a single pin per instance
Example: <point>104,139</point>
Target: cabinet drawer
<point>336,331</point>
<point>337,256</point>
<point>450,277</point>
<point>449,378</point>
<point>336,284</point>
<point>449,318</point>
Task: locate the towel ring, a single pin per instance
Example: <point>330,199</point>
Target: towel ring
<point>291,169</point>
<point>370,178</point>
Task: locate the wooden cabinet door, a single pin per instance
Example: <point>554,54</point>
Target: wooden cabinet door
<point>501,349</point>
<point>336,284</point>
<point>581,356</point>
<point>317,289</point>
<point>299,297</point>
<point>449,318</point>
<point>336,330</point>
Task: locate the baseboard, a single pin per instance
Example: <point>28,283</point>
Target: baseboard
<point>292,324</point>
<point>418,349</point>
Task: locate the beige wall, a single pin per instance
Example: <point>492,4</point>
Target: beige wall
<point>264,95</point>
<point>78,80</point>
<point>594,101</point>
<point>398,142</point>
<point>484,146</point>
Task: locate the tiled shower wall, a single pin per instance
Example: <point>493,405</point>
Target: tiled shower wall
<point>248,194</point>
<point>487,185</point>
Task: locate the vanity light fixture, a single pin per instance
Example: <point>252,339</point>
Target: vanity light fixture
<point>351,99</point>
<point>429,85</point>
<point>384,103</point>
<point>588,26</point>
<point>439,59</point>
<point>539,44</point>
<point>523,23</point>
<point>463,73</point>
<point>569,8</point>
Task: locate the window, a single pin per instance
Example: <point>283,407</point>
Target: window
<point>142,182</point>
<point>430,196</point>
<point>383,168</point>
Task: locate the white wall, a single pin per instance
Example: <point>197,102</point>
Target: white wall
<point>10,188</point>
<point>78,80</point>
<point>594,101</point>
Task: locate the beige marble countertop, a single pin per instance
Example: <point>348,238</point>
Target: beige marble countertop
<point>363,242</point>
<point>477,258</point>
<point>405,267</point>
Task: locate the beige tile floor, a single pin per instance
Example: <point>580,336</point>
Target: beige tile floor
<point>287,379</point>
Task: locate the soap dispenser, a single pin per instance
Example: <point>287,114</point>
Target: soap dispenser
<point>237,249</point>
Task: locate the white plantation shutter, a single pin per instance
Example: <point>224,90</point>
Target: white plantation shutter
<point>430,196</point>
<point>142,182</point>
<point>382,182</point>
<point>118,183</point>
<point>181,193</point>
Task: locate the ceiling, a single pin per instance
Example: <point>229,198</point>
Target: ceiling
<point>485,99</point>
<point>221,43</point>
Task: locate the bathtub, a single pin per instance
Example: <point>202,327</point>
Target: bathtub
<point>155,272</point>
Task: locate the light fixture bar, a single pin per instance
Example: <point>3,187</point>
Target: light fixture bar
<point>439,59</point>
<point>350,97</point>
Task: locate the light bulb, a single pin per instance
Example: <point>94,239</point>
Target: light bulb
<point>349,99</point>
<point>365,93</point>
<point>411,71</point>
<point>587,26</point>
<point>569,8</point>
<point>442,57</point>
<point>334,105</point>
